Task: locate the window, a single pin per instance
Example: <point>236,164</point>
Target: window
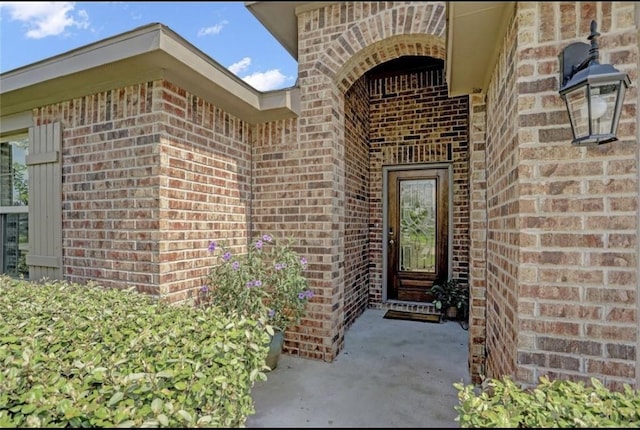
<point>14,205</point>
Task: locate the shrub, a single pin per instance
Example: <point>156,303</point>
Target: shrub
<point>266,282</point>
<point>87,356</point>
<point>557,404</point>
<point>450,293</point>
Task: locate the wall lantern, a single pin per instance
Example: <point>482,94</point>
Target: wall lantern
<point>582,79</point>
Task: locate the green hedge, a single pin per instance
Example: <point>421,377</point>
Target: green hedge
<point>86,356</point>
<point>552,404</point>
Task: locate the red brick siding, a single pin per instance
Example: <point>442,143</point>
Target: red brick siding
<point>503,223</point>
<point>110,188</point>
<point>150,175</point>
<point>477,236</point>
<point>574,312</point>
<point>581,316</point>
<point>288,199</point>
<point>357,201</point>
<point>205,188</point>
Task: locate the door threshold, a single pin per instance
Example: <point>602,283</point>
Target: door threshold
<point>403,305</point>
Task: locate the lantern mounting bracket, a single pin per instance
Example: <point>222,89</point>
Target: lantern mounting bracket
<point>578,56</point>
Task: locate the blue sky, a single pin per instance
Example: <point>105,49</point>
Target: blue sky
<point>225,31</point>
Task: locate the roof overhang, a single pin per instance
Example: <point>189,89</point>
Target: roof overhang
<point>474,37</point>
<point>144,54</point>
<point>280,18</point>
<point>475,33</point>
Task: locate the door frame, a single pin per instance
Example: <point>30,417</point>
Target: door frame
<point>385,217</point>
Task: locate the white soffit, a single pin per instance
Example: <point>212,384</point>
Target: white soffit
<point>474,37</point>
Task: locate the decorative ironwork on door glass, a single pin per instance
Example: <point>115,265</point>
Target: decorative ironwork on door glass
<point>418,215</point>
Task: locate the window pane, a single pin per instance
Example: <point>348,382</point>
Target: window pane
<point>14,210</point>
<point>14,180</point>
<point>15,241</point>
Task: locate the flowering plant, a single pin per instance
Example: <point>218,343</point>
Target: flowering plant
<point>266,283</point>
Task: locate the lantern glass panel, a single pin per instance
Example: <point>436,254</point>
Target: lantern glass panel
<point>603,101</point>
<point>578,111</point>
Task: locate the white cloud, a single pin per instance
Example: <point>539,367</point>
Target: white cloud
<point>215,29</point>
<point>237,68</point>
<point>265,81</point>
<point>44,19</point>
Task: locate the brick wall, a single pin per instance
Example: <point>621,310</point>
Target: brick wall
<point>502,207</point>
<point>150,175</point>
<point>110,188</point>
<point>205,187</point>
<point>288,198</point>
<point>357,250</point>
<point>562,220</point>
<point>477,235</point>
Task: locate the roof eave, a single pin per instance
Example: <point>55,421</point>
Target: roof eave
<point>141,55</point>
<point>475,31</point>
<point>280,18</point>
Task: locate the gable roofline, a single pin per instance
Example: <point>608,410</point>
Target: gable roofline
<point>146,53</point>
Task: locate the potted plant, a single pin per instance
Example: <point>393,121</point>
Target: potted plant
<point>266,283</point>
<point>450,298</point>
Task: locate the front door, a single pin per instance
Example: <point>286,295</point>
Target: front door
<point>417,232</point>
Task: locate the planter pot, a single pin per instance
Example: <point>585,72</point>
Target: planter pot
<point>275,349</point>
<point>451,313</point>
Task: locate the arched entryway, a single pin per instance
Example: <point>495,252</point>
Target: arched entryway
<point>375,103</point>
<point>406,176</point>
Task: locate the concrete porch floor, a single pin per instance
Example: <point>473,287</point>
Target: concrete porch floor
<point>391,373</point>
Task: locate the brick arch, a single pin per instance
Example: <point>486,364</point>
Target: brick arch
<point>417,29</point>
<point>383,51</point>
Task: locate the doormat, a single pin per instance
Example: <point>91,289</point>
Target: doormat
<point>411,316</point>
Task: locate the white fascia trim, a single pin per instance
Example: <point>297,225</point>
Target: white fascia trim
<point>195,67</point>
<point>18,122</point>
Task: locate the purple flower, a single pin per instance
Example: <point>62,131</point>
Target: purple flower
<point>280,266</point>
<point>226,256</point>
<point>307,294</point>
<point>301,295</point>
<point>267,238</point>
<point>254,283</point>
<point>212,246</point>
<point>271,313</point>
<point>204,289</point>
<point>235,265</point>
<point>259,244</point>
<point>303,261</point>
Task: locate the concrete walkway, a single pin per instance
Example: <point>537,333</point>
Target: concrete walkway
<point>391,374</point>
